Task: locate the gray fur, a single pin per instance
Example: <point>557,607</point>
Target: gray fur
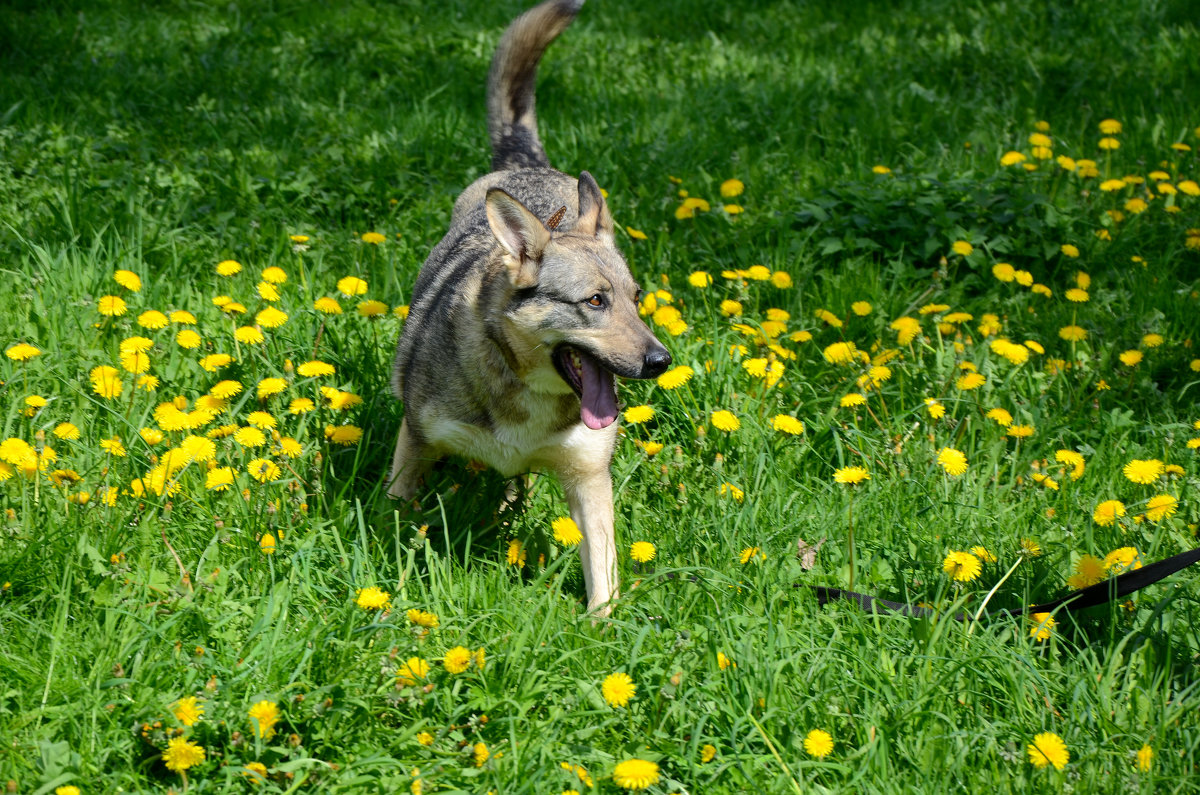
<point>526,288</point>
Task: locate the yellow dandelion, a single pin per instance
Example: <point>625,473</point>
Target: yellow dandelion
<point>301,406</point>
<point>1000,416</point>
<point>327,306</point>
<point>642,551</point>
<point>315,369</point>
<point>422,618</point>
<point>264,470</point>
<point>1089,570</point>
<point>263,717</point>
<point>111,306</point>
<point>1121,560</point>
<point>952,460</point>
<point>851,475</point>
<point>215,361</point>
<point>514,555</point>
<point>565,531</point>
<point>785,423</point>
<point>1143,471</point>
<point>129,280</point>
<point>635,774</point>
<point>351,286</point>
<point>268,387</point>
<point>182,754</point>
<point>1072,459</point>
<point>67,431</point>
<point>818,743</point>
<point>730,308</point>
<point>372,598</point>
<point>248,335</point>
<point>675,377</point>
<point>135,362</point>
<point>725,421</point>
<point>106,382</point>
<point>345,435</point>
<point>1160,507</point>
<point>961,566</point>
<point>636,415</point>
<point>188,339</point>
<point>261,419</point>
<point>412,670</point>
<point>229,267</point>
<point>218,479</point>
<point>618,689</point>
<point>842,353</point>
<point>271,318</point>
<point>1048,748</point>
<point>1041,626</point>
<point>969,381</point>
<point>1145,758</point>
<point>457,660</point>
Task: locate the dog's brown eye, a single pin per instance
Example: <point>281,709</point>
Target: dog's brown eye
<point>596,300</point>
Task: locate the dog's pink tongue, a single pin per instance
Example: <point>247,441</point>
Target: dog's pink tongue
<point>598,406</point>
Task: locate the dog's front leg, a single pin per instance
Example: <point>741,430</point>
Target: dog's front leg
<point>589,495</point>
<point>410,463</point>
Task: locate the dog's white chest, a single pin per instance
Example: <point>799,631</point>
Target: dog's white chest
<point>512,448</point>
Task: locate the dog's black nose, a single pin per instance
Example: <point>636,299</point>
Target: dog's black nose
<point>655,363</point>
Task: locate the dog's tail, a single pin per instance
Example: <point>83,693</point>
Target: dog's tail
<point>512,122</point>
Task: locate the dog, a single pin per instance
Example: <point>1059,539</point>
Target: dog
<point>522,317</point>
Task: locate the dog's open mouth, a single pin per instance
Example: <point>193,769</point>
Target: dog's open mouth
<point>592,382</point>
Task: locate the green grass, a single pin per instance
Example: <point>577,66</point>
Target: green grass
<point>164,139</point>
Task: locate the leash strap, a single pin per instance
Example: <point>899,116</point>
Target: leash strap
<point>1110,590</point>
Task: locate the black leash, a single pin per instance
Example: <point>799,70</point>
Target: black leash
<point>1111,589</point>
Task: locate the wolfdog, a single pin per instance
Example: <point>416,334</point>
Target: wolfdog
<point>521,317</point>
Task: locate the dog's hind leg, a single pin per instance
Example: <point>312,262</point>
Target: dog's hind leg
<point>589,495</point>
<point>410,463</point>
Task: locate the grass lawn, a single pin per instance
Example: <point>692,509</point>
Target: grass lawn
<point>930,274</point>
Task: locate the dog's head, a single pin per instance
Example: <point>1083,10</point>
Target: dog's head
<point>572,312</point>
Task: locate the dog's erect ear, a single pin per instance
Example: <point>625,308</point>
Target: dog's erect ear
<point>520,233</point>
<point>594,217</point>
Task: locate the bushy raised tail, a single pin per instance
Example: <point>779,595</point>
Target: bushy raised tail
<point>512,121</point>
